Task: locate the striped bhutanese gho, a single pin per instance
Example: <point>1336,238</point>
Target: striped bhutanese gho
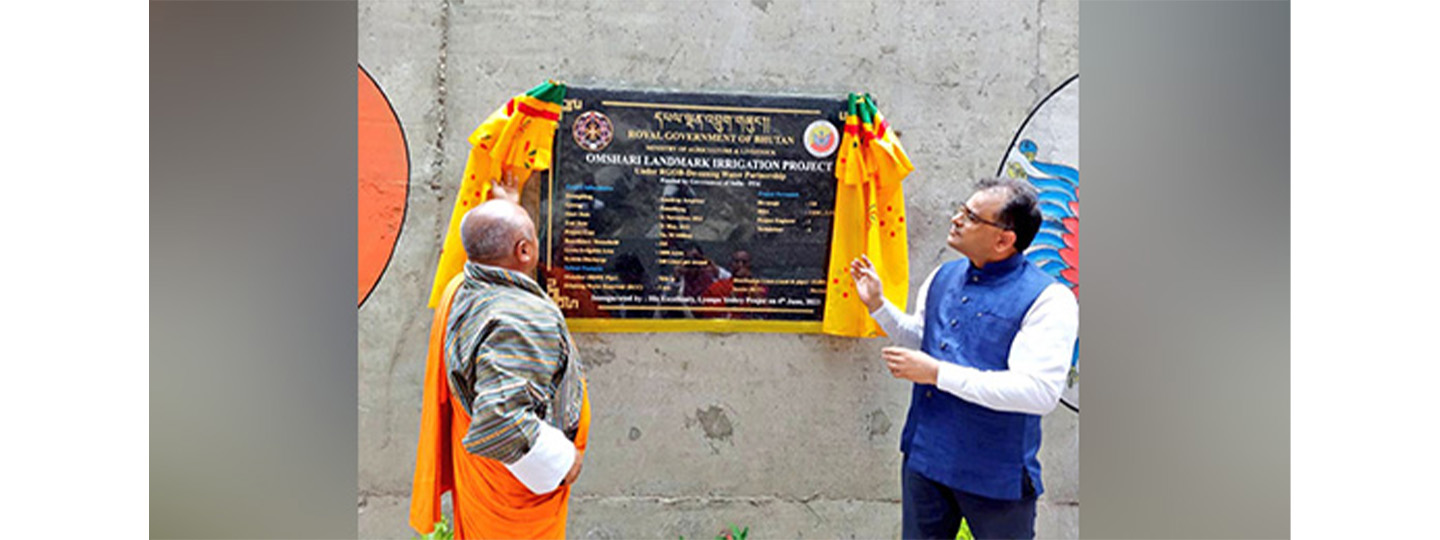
<point>511,362</point>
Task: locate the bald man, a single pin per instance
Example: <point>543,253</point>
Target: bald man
<point>505,414</point>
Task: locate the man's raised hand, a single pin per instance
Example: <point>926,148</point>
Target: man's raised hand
<point>867,283</point>
<point>507,187</point>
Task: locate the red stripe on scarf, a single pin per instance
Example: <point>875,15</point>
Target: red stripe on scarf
<point>538,113</point>
<point>867,135</point>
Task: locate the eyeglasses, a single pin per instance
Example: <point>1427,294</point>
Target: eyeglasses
<point>969,215</point>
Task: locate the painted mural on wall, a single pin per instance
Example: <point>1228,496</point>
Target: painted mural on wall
<point>384,177</point>
<point>1046,151</point>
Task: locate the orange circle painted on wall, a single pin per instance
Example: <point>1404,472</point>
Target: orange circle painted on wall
<point>384,176</point>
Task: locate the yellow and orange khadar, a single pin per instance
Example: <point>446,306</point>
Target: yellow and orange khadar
<point>869,218</point>
<point>516,138</point>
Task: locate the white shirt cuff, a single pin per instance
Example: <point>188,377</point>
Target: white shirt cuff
<point>951,377</point>
<point>886,309</point>
<point>548,461</point>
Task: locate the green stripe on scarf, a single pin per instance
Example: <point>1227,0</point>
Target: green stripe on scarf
<point>549,91</point>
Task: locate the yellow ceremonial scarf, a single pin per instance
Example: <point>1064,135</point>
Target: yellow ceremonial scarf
<point>869,219</point>
<point>515,138</point>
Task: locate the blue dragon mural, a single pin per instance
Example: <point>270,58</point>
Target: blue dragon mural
<point>1056,248</point>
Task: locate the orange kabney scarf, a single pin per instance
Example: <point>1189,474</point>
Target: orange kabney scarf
<point>488,501</point>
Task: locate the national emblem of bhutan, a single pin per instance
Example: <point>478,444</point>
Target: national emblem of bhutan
<point>384,172</point>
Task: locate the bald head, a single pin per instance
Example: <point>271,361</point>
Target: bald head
<point>499,233</point>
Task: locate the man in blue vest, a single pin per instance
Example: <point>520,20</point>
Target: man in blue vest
<point>994,335</point>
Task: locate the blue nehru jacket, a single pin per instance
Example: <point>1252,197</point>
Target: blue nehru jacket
<point>971,317</point>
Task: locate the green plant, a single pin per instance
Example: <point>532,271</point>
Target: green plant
<point>442,531</point>
<point>735,533</point>
<point>964,533</point>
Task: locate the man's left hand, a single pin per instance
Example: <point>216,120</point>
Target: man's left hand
<point>574,473</point>
<point>911,365</point>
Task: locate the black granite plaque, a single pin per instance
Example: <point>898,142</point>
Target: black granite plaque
<point>663,206</point>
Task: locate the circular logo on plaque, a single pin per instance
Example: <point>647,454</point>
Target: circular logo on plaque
<point>821,138</point>
<point>593,131</point>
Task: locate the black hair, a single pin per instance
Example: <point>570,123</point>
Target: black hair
<point>1021,212</point>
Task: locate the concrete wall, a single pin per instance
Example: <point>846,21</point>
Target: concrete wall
<point>792,435</point>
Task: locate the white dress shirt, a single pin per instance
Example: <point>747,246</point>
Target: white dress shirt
<point>1039,357</point>
<point>548,461</point>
